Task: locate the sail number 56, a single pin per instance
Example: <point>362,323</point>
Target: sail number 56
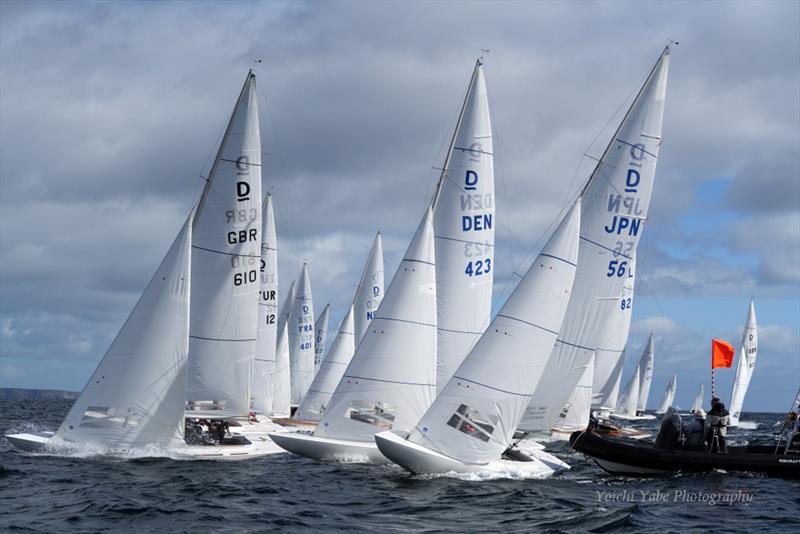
<point>616,268</point>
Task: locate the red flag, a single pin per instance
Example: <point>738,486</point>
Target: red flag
<point>721,353</point>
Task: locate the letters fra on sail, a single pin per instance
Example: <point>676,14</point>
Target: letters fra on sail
<point>721,354</point>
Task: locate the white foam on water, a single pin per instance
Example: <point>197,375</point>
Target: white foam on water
<point>749,425</point>
<point>501,471</point>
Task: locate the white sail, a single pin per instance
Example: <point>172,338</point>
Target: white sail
<point>610,402</point>
<point>266,339</point>
<point>281,377</point>
<point>286,308</point>
<point>464,229</point>
<point>646,374</point>
<point>136,395</point>
<point>370,289</point>
<point>698,400</point>
<point>615,206</point>
<point>669,396</point>
<point>747,361</point>
<point>576,412</point>
<point>226,253</point>
<point>330,372</point>
<point>390,381</point>
<point>321,336</point>
<point>630,396</point>
<point>301,338</point>
<point>475,415</point>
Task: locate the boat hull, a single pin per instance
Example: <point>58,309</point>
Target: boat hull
<point>421,460</point>
<point>319,448</point>
<point>30,442</point>
<point>619,456</point>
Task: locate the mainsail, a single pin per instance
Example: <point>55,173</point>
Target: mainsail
<point>288,303</point>
<point>226,253</point>
<point>463,224</point>
<point>281,378</point>
<point>615,205</point>
<point>698,400</point>
<point>370,289</point>
<point>576,412</point>
<point>136,395</point>
<point>610,402</point>
<point>645,374</point>
<point>266,340</point>
<point>321,336</point>
<point>330,372</point>
<point>747,362</point>
<point>475,415</point>
<point>669,395</point>
<point>630,396</point>
<point>390,381</point>
<point>301,338</point>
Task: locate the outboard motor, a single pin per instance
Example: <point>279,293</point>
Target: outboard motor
<point>669,435</point>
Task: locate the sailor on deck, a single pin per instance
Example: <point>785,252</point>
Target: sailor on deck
<point>695,431</point>
<point>716,427</point>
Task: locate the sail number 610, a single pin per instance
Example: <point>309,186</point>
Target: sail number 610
<point>616,268</point>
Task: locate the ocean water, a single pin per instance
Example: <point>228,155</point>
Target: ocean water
<point>47,493</point>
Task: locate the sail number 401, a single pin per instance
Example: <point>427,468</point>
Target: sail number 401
<point>478,267</point>
<point>616,268</point>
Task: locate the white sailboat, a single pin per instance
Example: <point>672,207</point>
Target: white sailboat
<point>575,414</point>
<point>321,336</point>
<point>136,396</point>
<point>286,308</point>
<point>368,295</point>
<point>669,396</point>
<point>281,378</point>
<point>390,381</point>
<point>626,408</point>
<point>744,370</point>
<point>646,376</point>
<point>266,339</point>
<point>615,205</point>
<point>301,338</point>
<point>698,400</point>
<point>473,420</point>
<point>463,222</point>
<point>612,399</point>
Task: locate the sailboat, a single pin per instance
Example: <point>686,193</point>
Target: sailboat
<point>645,378</point>
<point>301,338</point>
<point>321,336</point>
<point>187,350</point>
<point>669,396</point>
<point>577,411</point>
<point>281,377</point>
<point>744,370</point>
<point>626,408</point>
<point>471,425</point>
<point>615,205</point>
<point>390,381</point>
<point>698,400</point>
<point>369,294</point>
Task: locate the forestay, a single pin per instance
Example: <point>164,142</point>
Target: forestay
<point>464,229</point>
<point>615,206</point>
<point>747,361</point>
<point>370,289</point>
<point>301,338</point>
<point>330,372</point>
<point>226,253</point>
<point>475,415</point>
<point>630,396</point>
<point>136,395</point>
<point>321,336</point>
<point>669,396</point>
<point>266,340</point>
<point>646,374</point>
<point>390,381</point>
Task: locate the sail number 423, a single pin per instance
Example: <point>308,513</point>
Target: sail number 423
<point>478,267</point>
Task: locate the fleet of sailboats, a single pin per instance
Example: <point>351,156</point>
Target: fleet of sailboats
<point>420,374</point>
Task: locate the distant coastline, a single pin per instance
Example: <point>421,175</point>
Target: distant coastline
<point>37,394</point>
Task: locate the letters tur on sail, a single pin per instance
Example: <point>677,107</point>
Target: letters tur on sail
<point>226,257</point>
<point>475,415</point>
<point>390,381</point>
<point>136,395</point>
<point>615,206</point>
<point>464,229</point>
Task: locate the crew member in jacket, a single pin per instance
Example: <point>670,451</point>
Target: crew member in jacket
<point>717,423</point>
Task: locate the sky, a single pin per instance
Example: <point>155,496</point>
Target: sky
<point>110,112</point>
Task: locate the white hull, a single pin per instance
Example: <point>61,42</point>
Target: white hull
<point>319,448</point>
<point>421,460</point>
<point>30,442</point>
<point>563,434</point>
<point>633,417</point>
